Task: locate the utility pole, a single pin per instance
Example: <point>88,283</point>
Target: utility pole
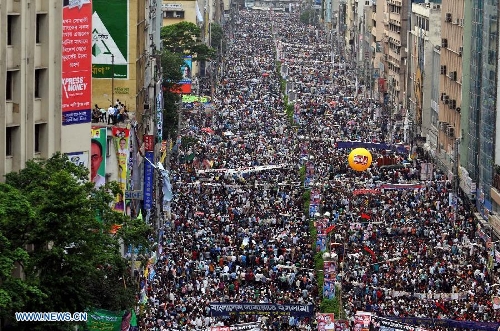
<point>112,80</point>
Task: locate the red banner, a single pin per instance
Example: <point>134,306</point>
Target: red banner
<point>149,143</point>
<point>77,62</point>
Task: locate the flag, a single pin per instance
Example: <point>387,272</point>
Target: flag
<point>371,252</point>
<point>329,229</point>
<point>365,216</point>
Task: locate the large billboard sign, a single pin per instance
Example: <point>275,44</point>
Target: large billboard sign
<point>110,30</point>
<point>76,62</point>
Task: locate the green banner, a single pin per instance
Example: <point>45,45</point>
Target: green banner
<point>105,320</point>
<point>110,30</point>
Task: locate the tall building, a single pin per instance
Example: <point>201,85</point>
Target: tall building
<point>395,44</point>
<point>377,35</point>
<point>38,62</point>
<point>424,37</point>
<point>452,21</point>
<point>482,160</point>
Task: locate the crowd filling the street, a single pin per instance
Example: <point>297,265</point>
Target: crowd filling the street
<point>398,243</point>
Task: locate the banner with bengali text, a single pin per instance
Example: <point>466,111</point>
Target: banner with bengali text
<point>76,62</point>
<point>227,309</point>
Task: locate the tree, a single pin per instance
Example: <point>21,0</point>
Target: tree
<point>216,35</point>
<point>185,38</point>
<point>75,263</point>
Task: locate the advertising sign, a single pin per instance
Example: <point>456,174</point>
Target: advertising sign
<point>159,117</point>
<point>76,62</point>
<point>186,69</point>
<point>325,321</point>
<point>149,142</point>
<point>148,181</point>
<point>98,156</point>
<point>121,139</point>
<point>79,158</point>
<point>110,32</point>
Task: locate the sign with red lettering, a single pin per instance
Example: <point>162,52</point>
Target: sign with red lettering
<point>77,62</point>
<point>149,143</point>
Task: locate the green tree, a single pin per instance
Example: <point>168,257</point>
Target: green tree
<point>185,38</point>
<point>75,262</point>
<point>216,35</point>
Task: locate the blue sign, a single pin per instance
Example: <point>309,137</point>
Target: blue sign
<point>148,181</point>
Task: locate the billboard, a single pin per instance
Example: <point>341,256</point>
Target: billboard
<point>121,139</point>
<point>98,154</point>
<point>186,70</point>
<point>76,62</point>
<point>110,30</point>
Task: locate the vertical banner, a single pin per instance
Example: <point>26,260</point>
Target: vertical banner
<point>98,156</point>
<point>76,62</point>
<point>110,31</point>
<point>159,116</point>
<point>121,140</point>
<point>362,321</point>
<point>330,274</point>
<point>148,181</point>
<point>325,321</point>
<point>186,70</point>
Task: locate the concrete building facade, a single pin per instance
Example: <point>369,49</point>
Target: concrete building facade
<point>452,21</point>
<point>424,36</point>
<point>30,85</point>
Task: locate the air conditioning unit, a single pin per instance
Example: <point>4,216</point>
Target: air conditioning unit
<point>442,96</point>
<point>177,16</point>
<point>461,22</point>
<point>460,50</point>
<point>448,17</point>
<point>443,70</point>
<point>456,21</point>
<point>443,125</point>
<point>444,43</point>
<point>450,131</point>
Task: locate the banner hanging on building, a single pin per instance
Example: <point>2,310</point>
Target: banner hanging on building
<point>121,140</point>
<point>100,319</point>
<point>76,62</point>
<point>79,158</point>
<point>148,181</point>
<point>98,156</point>
<point>110,31</point>
<point>186,69</point>
<point>227,309</point>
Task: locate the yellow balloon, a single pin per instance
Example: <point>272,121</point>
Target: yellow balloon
<point>360,159</point>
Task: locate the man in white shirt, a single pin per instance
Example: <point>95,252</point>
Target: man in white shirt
<point>111,114</point>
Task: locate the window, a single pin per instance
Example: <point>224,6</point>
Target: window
<point>40,22</point>
<point>9,85</point>
<point>9,137</point>
<point>11,27</point>
<point>40,133</point>
<point>39,74</point>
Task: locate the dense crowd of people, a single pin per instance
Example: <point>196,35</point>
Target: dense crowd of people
<point>238,231</point>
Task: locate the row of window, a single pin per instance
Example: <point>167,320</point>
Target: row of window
<point>13,25</point>
<point>12,77</point>
<point>12,135</point>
